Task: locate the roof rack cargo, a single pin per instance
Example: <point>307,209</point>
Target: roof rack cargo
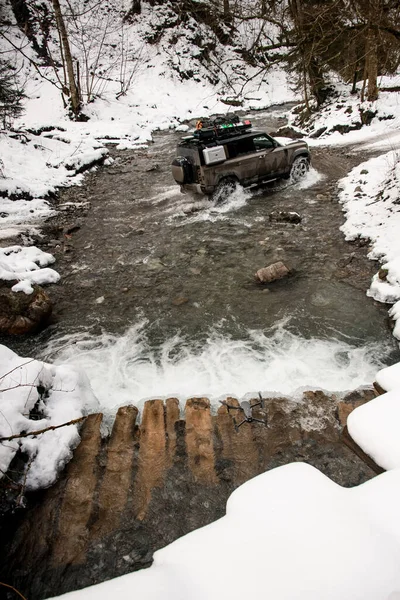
<point>220,127</point>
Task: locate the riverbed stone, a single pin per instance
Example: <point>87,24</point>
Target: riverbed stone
<point>272,273</point>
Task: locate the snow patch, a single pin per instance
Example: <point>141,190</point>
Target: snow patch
<point>35,395</point>
<point>292,548</point>
<point>28,266</point>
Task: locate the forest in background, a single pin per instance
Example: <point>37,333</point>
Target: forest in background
<point>358,40</point>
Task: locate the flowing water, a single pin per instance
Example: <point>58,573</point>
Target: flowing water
<point>158,297</point>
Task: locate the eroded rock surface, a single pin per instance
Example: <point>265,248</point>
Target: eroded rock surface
<point>122,498</point>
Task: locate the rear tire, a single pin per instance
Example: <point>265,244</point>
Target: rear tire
<point>224,189</point>
<point>300,168</point>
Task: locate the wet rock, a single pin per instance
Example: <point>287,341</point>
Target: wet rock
<point>72,532</point>
<point>382,274</point>
<point>179,301</point>
<point>114,490</point>
<point>351,401</point>
<point>23,313</point>
<point>199,440</point>
<point>345,408</point>
<point>152,456</point>
<point>274,272</point>
<point>283,216</point>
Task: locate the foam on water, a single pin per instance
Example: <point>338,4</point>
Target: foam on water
<point>192,210</point>
<point>127,369</point>
<point>312,177</point>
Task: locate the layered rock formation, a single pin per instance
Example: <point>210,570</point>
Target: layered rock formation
<point>122,498</point>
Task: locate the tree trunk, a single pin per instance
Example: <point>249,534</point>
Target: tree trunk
<point>372,64</point>
<point>227,11</point>
<point>73,88</point>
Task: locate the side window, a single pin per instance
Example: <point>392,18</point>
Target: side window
<point>263,142</point>
<point>245,146</point>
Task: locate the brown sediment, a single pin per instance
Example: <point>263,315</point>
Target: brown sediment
<point>171,417</point>
<point>152,456</point>
<point>239,447</point>
<point>72,534</point>
<point>115,487</point>
<point>199,440</point>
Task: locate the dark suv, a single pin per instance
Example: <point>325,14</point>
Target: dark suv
<point>226,151</point>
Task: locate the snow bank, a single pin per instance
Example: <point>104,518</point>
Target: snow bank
<point>288,533</point>
<point>370,198</point>
<point>35,395</point>
<point>389,377</point>
<point>374,426</point>
<point>28,266</point>
<point>340,120</point>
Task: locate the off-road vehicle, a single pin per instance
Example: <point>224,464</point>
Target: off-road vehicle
<point>225,151</point>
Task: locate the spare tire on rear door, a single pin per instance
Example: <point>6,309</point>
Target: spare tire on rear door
<point>182,170</point>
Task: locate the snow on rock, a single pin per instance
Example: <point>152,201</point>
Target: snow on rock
<point>290,533</point>
<point>35,395</point>
<point>374,426</point>
<point>389,377</point>
<point>28,265</point>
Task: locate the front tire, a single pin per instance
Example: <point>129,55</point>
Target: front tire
<point>300,168</point>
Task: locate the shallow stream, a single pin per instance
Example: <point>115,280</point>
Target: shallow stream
<point>158,297</point>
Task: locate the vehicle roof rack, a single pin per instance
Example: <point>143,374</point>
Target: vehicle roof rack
<point>220,127</point>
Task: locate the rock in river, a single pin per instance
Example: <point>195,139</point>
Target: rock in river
<point>22,313</point>
<point>275,271</point>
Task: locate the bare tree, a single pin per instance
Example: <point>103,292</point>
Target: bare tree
<point>67,58</point>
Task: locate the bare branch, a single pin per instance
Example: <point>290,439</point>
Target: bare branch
<point>51,428</point>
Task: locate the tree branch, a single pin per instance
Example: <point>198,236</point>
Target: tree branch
<point>51,428</point>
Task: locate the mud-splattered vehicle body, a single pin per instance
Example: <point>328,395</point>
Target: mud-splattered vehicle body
<point>222,154</point>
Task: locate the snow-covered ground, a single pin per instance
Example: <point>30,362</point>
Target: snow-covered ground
<point>290,533</point>
<point>33,396</point>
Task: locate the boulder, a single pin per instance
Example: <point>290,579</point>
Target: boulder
<point>284,216</point>
<point>289,132</point>
<point>275,271</point>
<point>23,313</point>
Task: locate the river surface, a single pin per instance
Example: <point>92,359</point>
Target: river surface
<point>158,297</point>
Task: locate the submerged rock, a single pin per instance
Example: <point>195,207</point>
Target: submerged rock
<point>283,216</point>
